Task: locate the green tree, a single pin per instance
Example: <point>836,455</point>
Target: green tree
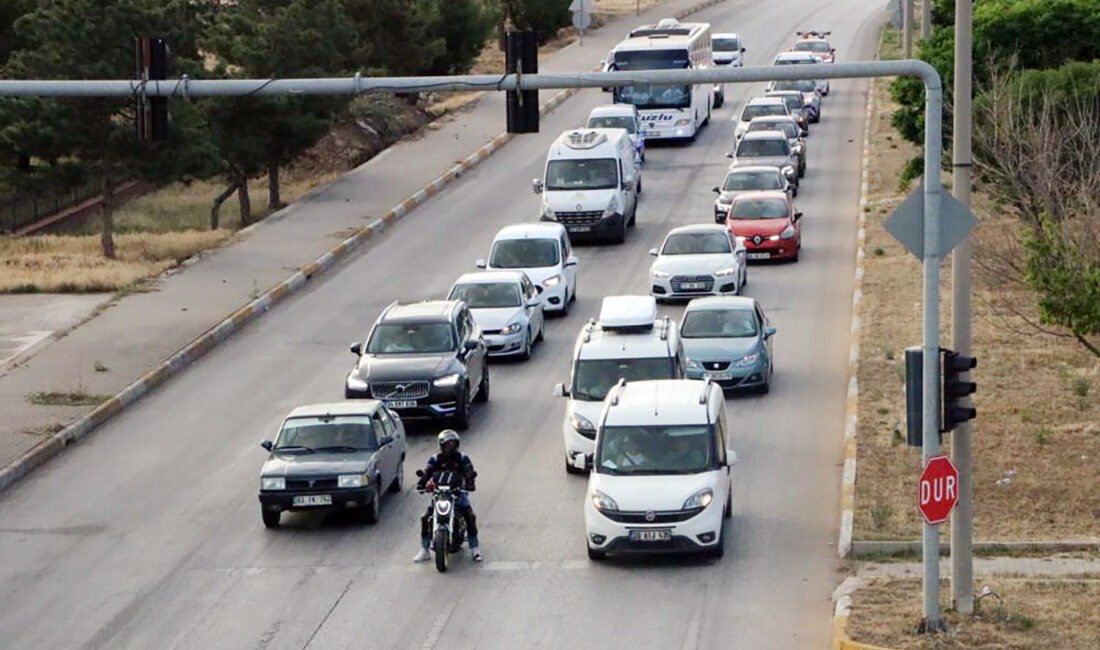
<point>10,11</point>
<point>81,39</point>
<point>544,17</point>
<point>396,37</point>
<point>464,25</point>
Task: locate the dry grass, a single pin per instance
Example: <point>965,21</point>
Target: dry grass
<point>73,398</point>
<point>75,263</point>
<point>1030,614</point>
<point>1038,420</point>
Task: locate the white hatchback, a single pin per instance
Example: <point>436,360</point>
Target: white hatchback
<point>661,478</point>
<point>542,251</point>
<point>698,260</point>
<point>507,308</point>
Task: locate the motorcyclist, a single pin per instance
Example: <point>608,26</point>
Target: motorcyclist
<point>449,460</point>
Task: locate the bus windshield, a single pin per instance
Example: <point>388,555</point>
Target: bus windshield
<point>652,60</point>
<point>651,96</point>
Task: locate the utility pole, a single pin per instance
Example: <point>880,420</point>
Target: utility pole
<point>962,518</point>
<point>925,19</point>
<point>906,29</point>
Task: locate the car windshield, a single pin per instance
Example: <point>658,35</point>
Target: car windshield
<point>612,122</point>
<point>719,324</point>
<point>696,243</point>
<point>484,295</point>
<point>593,378</point>
<point>524,253</point>
<point>654,96</point>
<point>326,433</point>
<point>761,110</point>
<point>811,46</point>
<point>759,209</point>
<point>725,45</point>
<point>411,338</point>
<point>769,147</point>
<point>793,102</point>
<point>593,174</point>
<point>801,85</point>
<point>786,127</point>
<point>654,449</point>
<point>794,60</point>
<point>740,181</point>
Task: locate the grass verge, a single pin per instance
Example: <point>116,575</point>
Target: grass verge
<point>1037,436</point>
<point>72,398</point>
<point>1019,614</point>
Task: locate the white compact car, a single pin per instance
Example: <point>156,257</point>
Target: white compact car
<point>507,307</point>
<point>627,342</point>
<point>698,260</point>
<point>661,478</point>
<point>758,107</point>
<point>544,253</point>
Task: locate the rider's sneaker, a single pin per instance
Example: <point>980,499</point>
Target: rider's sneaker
<point>475,554</point>
<point>422,555</point>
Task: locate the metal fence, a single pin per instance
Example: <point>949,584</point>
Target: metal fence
<point>27,207</point>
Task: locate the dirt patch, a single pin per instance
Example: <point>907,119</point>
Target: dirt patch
<point>1037,436</point>
<point>1023,614</point>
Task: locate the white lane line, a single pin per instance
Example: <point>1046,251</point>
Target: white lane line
<point>437,627</point>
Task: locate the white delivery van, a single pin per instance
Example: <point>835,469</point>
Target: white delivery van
<point>591,184</point>
<point>628,341</point>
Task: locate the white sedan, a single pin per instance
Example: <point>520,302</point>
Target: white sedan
<point>698,260</point>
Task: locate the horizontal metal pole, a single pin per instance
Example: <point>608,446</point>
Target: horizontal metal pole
<point>354,85</point>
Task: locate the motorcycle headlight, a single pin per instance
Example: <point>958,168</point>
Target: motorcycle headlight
<point>700,499</point>
<point>581,424</point>
<point>351,480</point>
<point>659,274</point>
<point>551,281</point>
<point>603,502</point>
<point>355,382</point>
<point>272,483</point>
<point>448,380</point>
<point>512,328</point>
<point>729,270</point>
<point>683,122</point>
<point>787,233</point>
<point>747,360</point>
<point>548,214</point>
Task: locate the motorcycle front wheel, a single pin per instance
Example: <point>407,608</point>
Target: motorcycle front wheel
<point>439,545</point>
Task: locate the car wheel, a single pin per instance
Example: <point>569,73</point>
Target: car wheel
<point>794,191</point>
<point>633,214</point>
<point>595,555</point>
<point>461,418</point>
<point>728,512</point>
<point>271,517</point>
<point>372,511</point>
<point>719,549</point>
<point>765,388</point>
<point>526,354</point>
<point>569,469</point>
<point>565,303</point>
<point>399,478</point>
<point>542,330</point>
<point>483,387</point>
<point>620,236</point>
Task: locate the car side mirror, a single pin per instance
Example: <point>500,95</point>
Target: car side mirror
<point>769,332</point>
<point>356,348</point>
<point>653,252</point>
<point>266,444</point>
<point>470,344</point>
<point>797,216</point>
<point>385,441</point>
<point>571,261</point>
<point>729,155</point>
<point>536,185</point>
<point>716,189</point>
<point>480,264</point>
<point>560,390</point>
<point>580,462</point>
<point>742,49</point>
<point>538,288</point>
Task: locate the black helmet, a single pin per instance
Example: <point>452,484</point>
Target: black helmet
<point>448,436</point>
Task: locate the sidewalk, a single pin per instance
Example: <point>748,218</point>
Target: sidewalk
<point>132,336</point>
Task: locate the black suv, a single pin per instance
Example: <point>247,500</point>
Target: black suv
<point>424,360</point>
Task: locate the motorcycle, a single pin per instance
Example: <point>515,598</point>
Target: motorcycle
<point>448,529</point>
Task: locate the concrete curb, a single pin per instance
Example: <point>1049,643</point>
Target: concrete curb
<point>851,407</point>
<point>210,339</point>
<point>842,596</point>
<point>862,548</point>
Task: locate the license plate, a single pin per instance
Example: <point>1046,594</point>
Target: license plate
<point>313,500</point>
<point>401,403</point>
<point>759,256</point>
<point>580,228</point>
<point>651,535</point>
<point>688,286</point>
<point>719,374</point>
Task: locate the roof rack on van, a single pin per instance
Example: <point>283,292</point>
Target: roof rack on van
<point>619,386</point>
<point>588,327</point>
<point>580,139</point>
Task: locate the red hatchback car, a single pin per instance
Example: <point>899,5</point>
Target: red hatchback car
<point>768,225</point>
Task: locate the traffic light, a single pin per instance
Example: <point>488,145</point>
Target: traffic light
<point>956,389</point>
<point>152,112</point>
<point>914,382</point>
<point>521,53</point>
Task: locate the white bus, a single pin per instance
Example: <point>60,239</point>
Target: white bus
<point>672,111</point>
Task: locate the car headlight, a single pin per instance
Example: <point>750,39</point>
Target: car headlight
<point>272,483</point>
<point>551,281</point>
<point>351,480</point>
<point>612,207</point>
<point>788,170</point>
<point>512,328</point>
<point>787,233</point>
<point>729,270</point>
<point>603,502</point>
<point>448,380</point>
<point>683,122</point>
<point>700,499</point>
<point>548,214</point>
<point>581,424</point>
<point>659,274</point>
<point>355,382</point>
<point>692,364</point>
<point>747,360</point>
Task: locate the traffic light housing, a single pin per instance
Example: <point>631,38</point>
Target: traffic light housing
<point>152,112</point>
<point>521,55</point>
<point>956,389</point>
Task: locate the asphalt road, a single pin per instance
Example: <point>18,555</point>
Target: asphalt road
<point>148,534</point>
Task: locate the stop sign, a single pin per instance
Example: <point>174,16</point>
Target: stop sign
<point>937,489</point>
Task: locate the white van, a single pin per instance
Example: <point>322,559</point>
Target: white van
<point>591,183</point>
<point>620,116</point>
<point>628,341</point>
<point>661,479</point>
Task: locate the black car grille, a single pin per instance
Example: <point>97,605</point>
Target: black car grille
<point>716,365</point>
<point>490,332</point>
<point>311,484</point>
<point>579,218</point>
<point>659,517</point>
<point>399,389</point>
<point>678,281</point>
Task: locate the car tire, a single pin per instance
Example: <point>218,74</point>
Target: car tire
<point>371,512</point>
<point>595,555</point>
<point>461,419</point>
<point>766,387</point>
<point>728,512</point>
<point>794,191</point>
<point>527,343</point>
<point>399,477</point>
<point>542,330</point>
<point>565,304</point>
<point>620,236</point>
<point>719,549</point>
<point>633,214</point>
<point>483,387</point>
<point>569,469</point>
<point>271,517</point>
